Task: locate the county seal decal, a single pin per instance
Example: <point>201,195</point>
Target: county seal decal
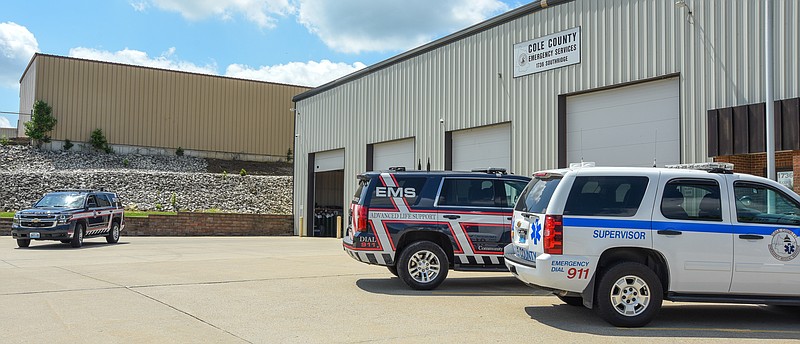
<point>784,245</point>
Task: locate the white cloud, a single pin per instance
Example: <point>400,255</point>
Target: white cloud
<point>167,59</point>
<point>261,12</point>
<point>310,73</point>
<point>354,26</point>
<point>140,6</point>
<point>17,46</point>
<point>5,123</point>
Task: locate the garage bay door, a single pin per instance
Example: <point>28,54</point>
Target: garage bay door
<point>482,147</point>
<point>626,126</point>
<point>332,160</point>
<point>394,154</point>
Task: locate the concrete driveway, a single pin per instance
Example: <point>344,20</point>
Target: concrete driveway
<point>301,290</point>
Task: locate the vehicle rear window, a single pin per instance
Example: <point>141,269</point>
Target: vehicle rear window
<point>536,196</point>
<point>618,196</point>
<point>409,188</point>
<point>358,197</point>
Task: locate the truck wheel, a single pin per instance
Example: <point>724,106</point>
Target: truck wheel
<point>392,269</point>
<point>77,235</point>
<point>629,295</point>
<point>23,242</point>
<point>571,300</point>
<point>113,234</point>
<point>423,265</point>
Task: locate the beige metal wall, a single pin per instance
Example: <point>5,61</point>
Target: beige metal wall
<point>716,52</point>
<point>146,107</point>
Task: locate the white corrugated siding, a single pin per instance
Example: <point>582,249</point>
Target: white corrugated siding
<point>717,53</point>
<point>27,96</point>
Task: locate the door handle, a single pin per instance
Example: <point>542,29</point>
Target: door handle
<point>510,218</point>
<point>750,237</point>
<point>452,217</point>
<point>669,232</point>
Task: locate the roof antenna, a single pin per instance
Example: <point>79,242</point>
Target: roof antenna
<point>419,164</point>
<point>655,148</point>
<point>429,164</point>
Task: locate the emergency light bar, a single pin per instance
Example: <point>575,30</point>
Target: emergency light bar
<point>576,165</point>
<point>705,166</point>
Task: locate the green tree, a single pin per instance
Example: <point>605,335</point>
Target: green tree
<point>41,123</point>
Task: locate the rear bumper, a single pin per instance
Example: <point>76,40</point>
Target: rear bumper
<point>552,272</point>
<point>375,257</point>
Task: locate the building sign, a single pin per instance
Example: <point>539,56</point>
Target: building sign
<point>548,52</point>
<point>787,179</point>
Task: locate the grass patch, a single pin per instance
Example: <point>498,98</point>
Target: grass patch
<point>147,213</point>
<point>6,214</point>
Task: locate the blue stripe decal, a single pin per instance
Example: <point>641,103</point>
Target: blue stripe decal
<point>686,226</point>
<point>603,223</point>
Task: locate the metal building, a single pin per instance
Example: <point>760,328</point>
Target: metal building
<point>615,82</point>
<point>155,111</point>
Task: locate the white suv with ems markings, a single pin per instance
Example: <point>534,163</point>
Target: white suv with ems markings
<point>621,240</point>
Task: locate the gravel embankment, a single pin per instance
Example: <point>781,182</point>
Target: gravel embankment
<point>142,182</point>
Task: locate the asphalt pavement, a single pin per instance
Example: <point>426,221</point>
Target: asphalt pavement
<point>307,290</point>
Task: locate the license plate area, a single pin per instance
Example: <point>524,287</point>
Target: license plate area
<point>34,235</point>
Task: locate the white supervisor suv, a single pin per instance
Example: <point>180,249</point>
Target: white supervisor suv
<point>621,240</point>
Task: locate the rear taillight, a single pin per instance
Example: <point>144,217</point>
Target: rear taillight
<point>553,234</point>
<point>360,215</point>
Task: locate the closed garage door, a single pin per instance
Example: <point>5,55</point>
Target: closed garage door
<point>488,146</point>
<point>393,154</point>
<point>626,126</point>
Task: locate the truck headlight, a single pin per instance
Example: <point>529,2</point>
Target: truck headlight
<point>63,219</point>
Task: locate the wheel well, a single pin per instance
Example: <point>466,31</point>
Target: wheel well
<point>425,235</point>
<point>652,259</point>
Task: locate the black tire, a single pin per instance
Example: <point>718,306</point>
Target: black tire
<point>65,241</point>
<point>423,265</point>
<point>392,269</point>
<point>571,300</point>
<point>23,243</point>
<point>113,233</point>
<point>77,235</point>
<point>630,288</point>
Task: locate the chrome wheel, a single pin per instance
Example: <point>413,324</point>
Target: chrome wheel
<point>115,232</point>
<point>630,296</point>
<point>424,266</point>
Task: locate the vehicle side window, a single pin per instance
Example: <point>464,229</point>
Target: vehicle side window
<point>409,188</point>
<point>468,192</point>
<point>606,196</point>
<point>91,201</point>
<point>513,189</point>
<point>102,201</point>
<point>758,203</point>
<point>691,199</point>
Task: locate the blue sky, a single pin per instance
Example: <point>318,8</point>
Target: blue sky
<point>303,42</point>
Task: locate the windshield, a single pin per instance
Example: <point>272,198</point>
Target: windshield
<point>61,200</point>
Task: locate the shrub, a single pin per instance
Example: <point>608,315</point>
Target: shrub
<point>224,174</point>
<point>99,142</point>
<point>242,173</point>
<point>173,201</point>
<point>125,162</point>
<point>4,141</point>
<point>159,207</point>
<point>67,144</point>
<point>179,151</point>
<point>41,123</point>
<point>289,155</point>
